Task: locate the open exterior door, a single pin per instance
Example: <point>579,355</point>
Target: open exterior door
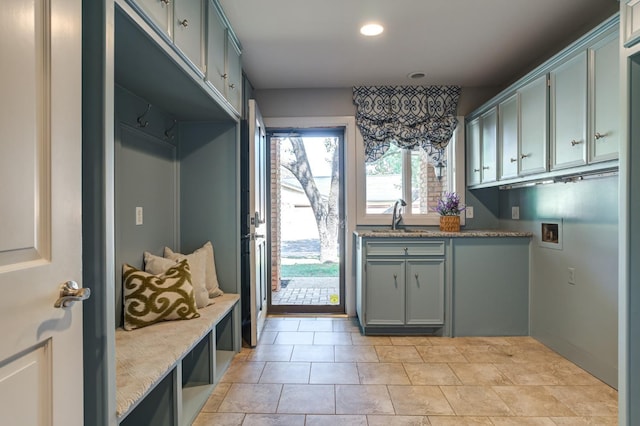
<point>41,374</point>
<point>257,221</point>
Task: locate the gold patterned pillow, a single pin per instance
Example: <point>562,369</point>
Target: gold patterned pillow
<point>152,298</point>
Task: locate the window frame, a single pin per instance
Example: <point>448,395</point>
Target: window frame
<point>455,174</point>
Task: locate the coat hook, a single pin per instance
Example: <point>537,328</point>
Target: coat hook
<point>167,132</point>
<point>142,123</point>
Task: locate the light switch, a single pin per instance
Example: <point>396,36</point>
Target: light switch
<point>139,216</point>
<point>515,212</point>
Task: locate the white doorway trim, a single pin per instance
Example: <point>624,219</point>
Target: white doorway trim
<point>351,138</point>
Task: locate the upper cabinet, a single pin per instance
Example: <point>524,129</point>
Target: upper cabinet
<point>188,30</point>
<point>560,119</point>
<point>534,126</point>
<point>631,22</point>
<point>508,137</point>
<point>224,67</point>
<point>474,167</point>
<point>604,132</point>
<point>198,35</point>
<point>569,113</point>
<point>489,124</point>
<point>160,12</point>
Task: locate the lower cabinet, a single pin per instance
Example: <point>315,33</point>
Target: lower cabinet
<point>401,286</point>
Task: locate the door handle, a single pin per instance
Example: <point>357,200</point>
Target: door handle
<point>70,292</point>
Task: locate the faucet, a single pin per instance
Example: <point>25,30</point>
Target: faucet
<point>397,215</point>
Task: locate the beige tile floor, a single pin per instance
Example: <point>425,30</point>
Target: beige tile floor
<point>322,371</point>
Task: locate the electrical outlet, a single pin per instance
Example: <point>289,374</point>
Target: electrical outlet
<point>515,212</point>
<point>469,212</point>
<point>139,218</point>
<point>572,276</point>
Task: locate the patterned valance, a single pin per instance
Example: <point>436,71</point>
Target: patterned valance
<point>408,116</point>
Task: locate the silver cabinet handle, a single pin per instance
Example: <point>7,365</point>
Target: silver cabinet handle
<point>417,281</point>
<point>406,250</point>
<point>599,135</point>
<point>166,2</point>
<point>395,279</point>
<point>70,292</point>
<point>525,155</point>
<point>486,168</point>
<point>476,170</point>
<point>224,76</point>
<point>232,86</point>
<point>513,160</point>
<point>184,23</point>
<point>575,142</point>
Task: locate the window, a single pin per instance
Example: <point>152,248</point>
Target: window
<point>408,175</point>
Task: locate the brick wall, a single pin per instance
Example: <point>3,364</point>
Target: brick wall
<point>430,192</point>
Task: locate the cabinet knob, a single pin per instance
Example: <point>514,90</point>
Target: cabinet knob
<point>599,135</point>
<point>184,23</point>
<point>513,160</point>
<point>575,142</point>
<point>223,75</point>
<point>525,155</point>
<point>166,2</point>
<point>232,86</point>
<point>485,168</point>
<point>406,250</point>
<point>476,170</point>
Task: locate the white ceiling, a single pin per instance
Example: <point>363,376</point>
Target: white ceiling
<point>472,43</point>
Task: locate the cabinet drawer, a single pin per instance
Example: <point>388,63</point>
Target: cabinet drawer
<point>405,248</point>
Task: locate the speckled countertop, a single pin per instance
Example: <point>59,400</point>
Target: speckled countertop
<point>428,233</point>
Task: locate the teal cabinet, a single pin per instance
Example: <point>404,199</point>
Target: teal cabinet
<point>490,286</point>
<point>160,12</point>
<point>425,292</point>
<point>188,30</point>
<point>216,44</point>
<point>604,134</point>
<point>474,165</point>
<point>569,113</point>
<point>234,72</point>
<point>534,126</point>
<point>489,121</point>
<point>400,285</point>
<point>385,292</point>
<point>508,137</point>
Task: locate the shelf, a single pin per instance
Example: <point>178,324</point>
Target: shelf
<point>223,360</point>
<point>193,399</point>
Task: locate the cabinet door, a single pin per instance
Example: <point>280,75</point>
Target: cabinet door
<point>160,13</point>
<point>425,292</point>
<point>216,42</point>
<point>534,127</point>
<point>473,152</point>
<point>385,292</point>
<point>604,134</point>
<point>234,71</point>
<point>508,137</point>
<point>569,113</point>
<point>489,124</point>
<point>631,22</point>
<point>188,18</point>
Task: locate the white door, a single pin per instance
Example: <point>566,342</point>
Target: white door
<point>40,212</point>
<point>257,220</point>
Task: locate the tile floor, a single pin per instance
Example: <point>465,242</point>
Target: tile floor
<point>322,371</point>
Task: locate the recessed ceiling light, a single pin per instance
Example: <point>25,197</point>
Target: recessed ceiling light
<point>371,30</point>
<point>416,75</point>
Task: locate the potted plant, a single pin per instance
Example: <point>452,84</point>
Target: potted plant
<point>449,208</point>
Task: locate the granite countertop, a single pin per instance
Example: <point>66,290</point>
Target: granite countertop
<point>434,233</point>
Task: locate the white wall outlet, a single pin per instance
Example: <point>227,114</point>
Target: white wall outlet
<point>515,212</point>
<point>469,212</point>
<point>139,218</point>
<point>572,276</point>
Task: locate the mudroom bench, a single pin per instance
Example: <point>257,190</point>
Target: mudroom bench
<point>165,372</point>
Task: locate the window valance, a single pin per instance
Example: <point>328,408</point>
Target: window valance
<point>408,116</point>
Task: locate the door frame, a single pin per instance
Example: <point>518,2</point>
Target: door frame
<point>307,130</point>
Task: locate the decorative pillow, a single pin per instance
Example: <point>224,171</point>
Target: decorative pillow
<point>152,298</point>
<point>211,276</point>
<point>158,265</point>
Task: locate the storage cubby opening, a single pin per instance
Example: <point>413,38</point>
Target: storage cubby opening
<point>157,408</point>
